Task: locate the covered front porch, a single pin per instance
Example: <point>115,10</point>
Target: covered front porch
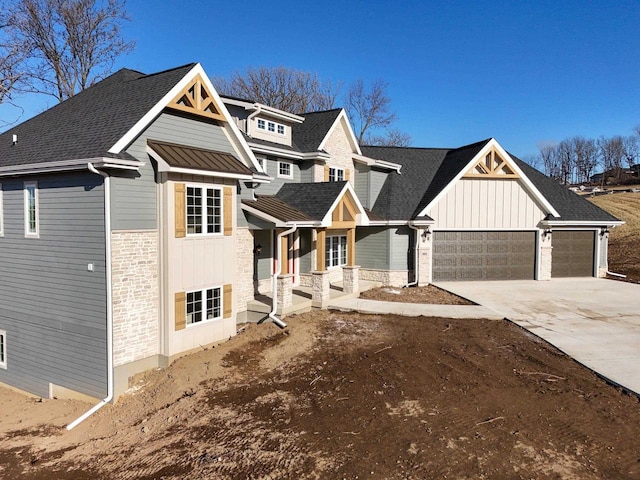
<point>301,300</point>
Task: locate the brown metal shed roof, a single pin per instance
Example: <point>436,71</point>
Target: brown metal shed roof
<point>183,156</point>
<point>277,208</point>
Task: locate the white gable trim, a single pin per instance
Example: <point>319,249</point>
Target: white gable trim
<point>491,144</point>
<point>363,219</point>
<point>342,117</point>
<point>144,122</point>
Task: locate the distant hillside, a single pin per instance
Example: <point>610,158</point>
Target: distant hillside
<point>624,241</point>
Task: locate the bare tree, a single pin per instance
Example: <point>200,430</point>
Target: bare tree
<point>532,160</point>
<point>368,109</point>
<point>71,44</point>
<point>283,88</point>
<point>393,138</point>
<point>612,154</point>
<point>11,58</point>
<point>586,157</point>
<point>549,159</point>
<point>632,149</point>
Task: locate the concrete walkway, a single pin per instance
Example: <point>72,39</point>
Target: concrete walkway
<point>595,321</point>
<point>413,309</point>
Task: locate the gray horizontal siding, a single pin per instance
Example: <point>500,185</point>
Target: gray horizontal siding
<point>272,170</point>
<point>263,261</point>
<point>133,199</point>
<point>52,308</point>
<point>305,251</point>
<point>376,182</point>
<point>372,247</point>
<point>399,248</point>
<point>361,184</point>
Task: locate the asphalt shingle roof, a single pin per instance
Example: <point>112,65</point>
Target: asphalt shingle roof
<point>309,134</point>
<point>277,208</point>
<point>89,123</point>
<point>314,199</point>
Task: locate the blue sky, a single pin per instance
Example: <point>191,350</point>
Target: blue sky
<point>522,72</point>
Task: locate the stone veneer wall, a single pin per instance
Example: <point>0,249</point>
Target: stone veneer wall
<point>546,242</point>
<point>243,284</point>
<point>135,284</point>
<point>393,278</point>
<point>341,152</point>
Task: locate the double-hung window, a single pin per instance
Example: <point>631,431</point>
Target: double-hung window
<point>284,170</point>
<point>336,174</point>
<point>31,223</point>
<point>203,305</point>
<point>336,251</point>
<point>3,349</point>
<point>204,210</point>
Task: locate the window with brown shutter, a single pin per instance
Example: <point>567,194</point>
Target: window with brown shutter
<point>227,300</point>
<point>180,210</point>
<point>228,210</point>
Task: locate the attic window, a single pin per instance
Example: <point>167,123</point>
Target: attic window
<point>271,127</point>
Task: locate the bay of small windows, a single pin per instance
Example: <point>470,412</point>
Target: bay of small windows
<point>271,127</point>
<point>204,305</point>
<point>204,210</point>
<point>335,251</point>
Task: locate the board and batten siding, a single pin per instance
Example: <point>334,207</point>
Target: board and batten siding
<point>52,307</point>
<point>372,247</point>
<point>134,199</point>
<point>487,204</point>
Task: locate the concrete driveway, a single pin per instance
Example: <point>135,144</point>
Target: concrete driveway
<point>595,321</point>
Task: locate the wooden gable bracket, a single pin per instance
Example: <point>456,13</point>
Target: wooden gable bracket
<point>491,166</point>
<point>196,99</point>
<point>344,215</point>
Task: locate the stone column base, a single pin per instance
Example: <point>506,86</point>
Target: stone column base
<point>321,289</point>
<point>285,291</point>
<point>351,279</point>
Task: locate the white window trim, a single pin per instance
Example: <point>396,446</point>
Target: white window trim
<point>328,250</point>
<point>336,171</point>
<point>28,233</point>
<point>263,163</point>
<point>276,127</point>
<point>1,211</point>
<point>203,214</point>
<point>203,310</point>
<point>282,175</point>
<point>3,341</point>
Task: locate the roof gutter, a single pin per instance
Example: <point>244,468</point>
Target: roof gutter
<point>70,165</point>
<point>581,223</point>
<point>107,227</point>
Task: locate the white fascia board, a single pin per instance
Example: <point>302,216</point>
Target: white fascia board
<point>68,165</point>
<point>164,167</point>
<point>322,156</point>
<point>267,150</point>
<point>383,223</point>
<point>342,116</point>
<point>261,178</point>
<point>141,124</point>
<point>373,162</point>
<point>275,113</point>
<point>364,218</point>
<point>580,223</point>
<point>481,154</point>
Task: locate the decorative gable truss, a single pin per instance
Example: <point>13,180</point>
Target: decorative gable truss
<point>196,99</point>
<point>491,166</point>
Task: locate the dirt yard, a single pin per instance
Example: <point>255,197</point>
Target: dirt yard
<point>428,294</point>
<point>342,396</point>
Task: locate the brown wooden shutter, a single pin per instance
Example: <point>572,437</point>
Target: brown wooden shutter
<point>347,174</point>
<point>227,203</point>
<point>180,210</point>
<point>326,173</point>
<point>181,310</point>
<point>227,300</point>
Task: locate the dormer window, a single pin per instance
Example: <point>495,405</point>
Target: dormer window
<point>271,127</point>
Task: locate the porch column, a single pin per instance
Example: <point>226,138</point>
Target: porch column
<point>351,279</point>
<point>320,249</point>
<point>321,289</point>
<point>285,292</point>
<point>351,247</point>
<point>425,247</point>
<point>284,260</point>
<point>546,240</point>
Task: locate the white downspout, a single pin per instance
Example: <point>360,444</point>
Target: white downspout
<point>274,279</point>
<point>250,117</point>
<point>415,258</point>
<point>107,227</point>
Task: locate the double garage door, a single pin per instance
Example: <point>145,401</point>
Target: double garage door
<point>504,255</point>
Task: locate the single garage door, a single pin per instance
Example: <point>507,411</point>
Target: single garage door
<point>572,254</point>
<point>459,256</point>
